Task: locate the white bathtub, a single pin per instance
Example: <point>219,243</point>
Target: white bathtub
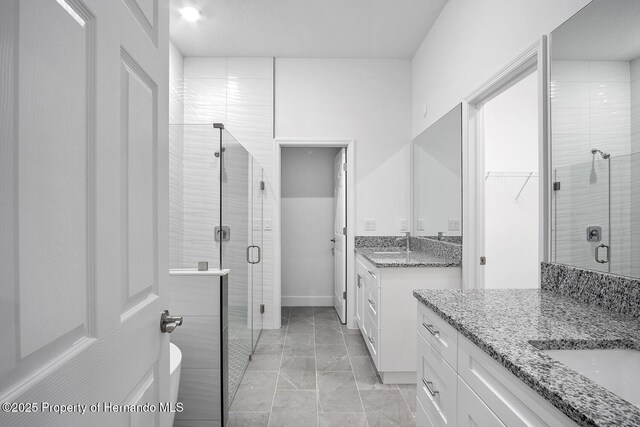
<point>175,364</point>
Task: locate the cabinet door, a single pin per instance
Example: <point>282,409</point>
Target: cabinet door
<point>472,411</point>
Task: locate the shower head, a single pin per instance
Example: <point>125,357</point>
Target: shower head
<point>602,153</point>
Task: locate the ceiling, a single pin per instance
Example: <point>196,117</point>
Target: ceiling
<point>604,30</point>
<point>304,28</point>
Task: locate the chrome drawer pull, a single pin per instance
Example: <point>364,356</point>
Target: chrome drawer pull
<point>371,273</point>
<point>431,330</point>
<point>429,386</point>
<point>372,302</point>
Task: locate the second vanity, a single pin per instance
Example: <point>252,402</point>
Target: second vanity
<point>385,309</point>
<point>523,358</point>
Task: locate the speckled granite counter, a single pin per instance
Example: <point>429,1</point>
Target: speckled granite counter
<point>512,326</point>
<point>386,257</point>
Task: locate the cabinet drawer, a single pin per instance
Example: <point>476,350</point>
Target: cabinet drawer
<point>371,302</point>
<point>372,339</point>
<point>422,420</point>
<point>442,336</point>
<point>372,272</point>
<point>472,411</point>
<point>515,403</point>
<point>437,384</point>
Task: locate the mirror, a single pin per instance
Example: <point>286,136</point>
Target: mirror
<point>437,183</point>
<point>595,137</point>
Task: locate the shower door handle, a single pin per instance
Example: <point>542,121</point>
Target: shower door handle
<point>597,253</point>
<point>259,254</point>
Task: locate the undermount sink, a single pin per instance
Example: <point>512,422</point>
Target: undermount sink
<point>617,370</point>
<point>388,253</point>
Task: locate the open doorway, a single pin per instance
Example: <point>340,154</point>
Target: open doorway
<point>315,204</point>
<point>506,178</point>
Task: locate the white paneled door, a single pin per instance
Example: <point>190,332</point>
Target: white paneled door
<point>340,233</point>
<point>83,224</point>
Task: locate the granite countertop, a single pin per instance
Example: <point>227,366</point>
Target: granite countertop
<point>514,325</point>
<point>404,259</point>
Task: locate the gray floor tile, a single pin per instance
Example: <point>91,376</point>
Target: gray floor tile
<point>346,330</point>
<point>386,408</point>
<point>408,392</point>
<point>356,345</point>
<point>294,409</point>
<point>297,373</point>
<point>329,336</point>
<point>249,419</point>
<point>337,392</point>
<point>327,324</point>
<point>342,420</point>
<point>265,362</point>
<point>298,312</point>
<point>299,345</point>
<point>302,325</point>
<point>272,336</point>
<point>366,375</point>
<point>332,358</point>
<point>255,393</point>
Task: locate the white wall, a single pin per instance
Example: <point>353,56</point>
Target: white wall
<point>176,147</point>
<point>511,226</point>
<point>307,226</point>
<point>472,40</point>
<point>368,100</point>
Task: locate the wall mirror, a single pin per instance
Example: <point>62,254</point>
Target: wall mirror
<point>595,134</point>
<point>437,183</point>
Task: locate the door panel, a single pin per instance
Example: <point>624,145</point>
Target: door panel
<point>84,263</point>
<point>340,224</point>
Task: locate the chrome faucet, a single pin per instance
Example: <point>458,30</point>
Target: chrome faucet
<point>408,239</point>
<point>440,234</point>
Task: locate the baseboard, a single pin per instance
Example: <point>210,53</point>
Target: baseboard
<point>288,301</point>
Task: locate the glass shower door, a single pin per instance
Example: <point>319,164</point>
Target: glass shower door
<point>581,215</point>
<point>241,234</point>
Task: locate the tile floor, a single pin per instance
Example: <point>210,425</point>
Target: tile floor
<point>316,372</point>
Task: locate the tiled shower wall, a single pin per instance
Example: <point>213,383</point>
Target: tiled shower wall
<point>239,93</point>
<point>176,144</point>
<point>591,107</point>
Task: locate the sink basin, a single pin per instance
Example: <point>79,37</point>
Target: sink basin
<point>389,253</point>
<point>617,370</point>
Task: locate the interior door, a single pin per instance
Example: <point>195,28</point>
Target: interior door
<point>339,234</point>
<point>83,251</point>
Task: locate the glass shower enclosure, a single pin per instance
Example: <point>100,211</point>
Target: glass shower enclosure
<point>594,213</point>
<point>216,220</point>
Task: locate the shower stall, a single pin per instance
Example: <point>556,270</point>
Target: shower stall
<point>596,213</point>
<point>217,191</point>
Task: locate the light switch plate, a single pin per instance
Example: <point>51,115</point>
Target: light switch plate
<point>403,225</point>
<point>267,224</point>
<point>454,224</point>
<point>369,224</point>
<point>420,224</point>
<point>256,223</point>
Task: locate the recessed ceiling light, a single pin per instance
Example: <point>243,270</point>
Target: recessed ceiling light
<point>190,14</point>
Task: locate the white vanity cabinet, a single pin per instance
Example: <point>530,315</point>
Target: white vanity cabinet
<point>385,313</point>
<point>460,385</point>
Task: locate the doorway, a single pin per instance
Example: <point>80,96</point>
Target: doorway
<point>314,214</point>
<point>506,175</point>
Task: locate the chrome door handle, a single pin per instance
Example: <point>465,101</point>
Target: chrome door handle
<point>429,386</point>
<point>371,340</point>
<point>372,273</point>
<point>333,240</point>
<point>597,253</point>
<point>259,254</point>
<point>372,302</point>
<point>432,331</point>
<point>169,323</point>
